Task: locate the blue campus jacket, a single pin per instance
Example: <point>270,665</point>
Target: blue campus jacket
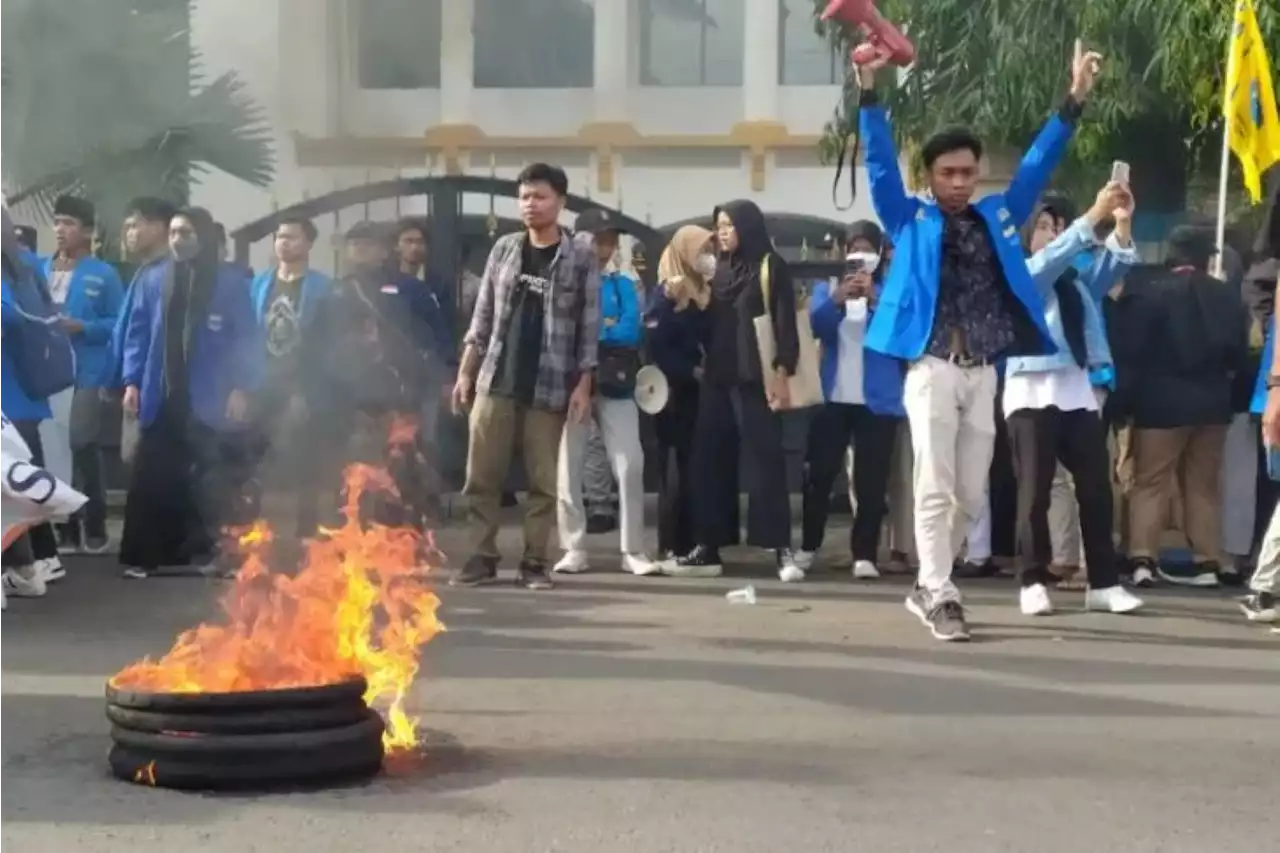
<point>17,405</point>
<point>1259,402</point>
<point>675,338</point>
<point>315,285</point>
<point>882,375</point>
<point>619,302</point>
<point>226,351</point>
<point>1093,283</point>
<point>94,297</point>
<point>113,372</point>
<point>904,317</point>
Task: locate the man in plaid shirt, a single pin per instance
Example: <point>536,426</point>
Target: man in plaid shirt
<point>528,363</point>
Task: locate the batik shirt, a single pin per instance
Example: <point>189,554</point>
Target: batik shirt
<point>972,316</point>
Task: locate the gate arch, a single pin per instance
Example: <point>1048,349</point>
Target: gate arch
<point>445,221</point>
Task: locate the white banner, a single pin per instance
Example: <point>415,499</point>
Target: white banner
<point>31,494</point>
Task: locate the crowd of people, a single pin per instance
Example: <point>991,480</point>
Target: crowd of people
<point>1004,388</point>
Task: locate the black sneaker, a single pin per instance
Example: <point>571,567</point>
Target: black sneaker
<point>1230,576</point>
<point>476,571</point>
<point>701,562</point>
<point>601,524</point>
<point>944,620</point>
<point>1259,607</point>
<point>971,571</point>
<point>1143,570</point>
<point>532,574</point>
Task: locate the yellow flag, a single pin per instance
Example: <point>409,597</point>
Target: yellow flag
<point>1253,126</point>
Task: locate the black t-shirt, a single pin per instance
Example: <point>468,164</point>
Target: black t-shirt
<point>282,322</point>
<point>516,374</point>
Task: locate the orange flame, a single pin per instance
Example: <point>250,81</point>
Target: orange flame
<point>146,774</point>
<point>358,606</point>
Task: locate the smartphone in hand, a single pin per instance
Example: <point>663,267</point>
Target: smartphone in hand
<point>1120,172</point>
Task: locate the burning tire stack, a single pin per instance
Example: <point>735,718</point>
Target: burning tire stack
<point>258,739</point>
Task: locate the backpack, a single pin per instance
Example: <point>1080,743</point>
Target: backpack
<point>42,353</point>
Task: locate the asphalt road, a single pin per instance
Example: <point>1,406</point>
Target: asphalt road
<point>637,715</point>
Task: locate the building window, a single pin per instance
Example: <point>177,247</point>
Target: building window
<point>691,42</point>
<point>804,57</point>
<point>398,44</point>
<point>534,44</point>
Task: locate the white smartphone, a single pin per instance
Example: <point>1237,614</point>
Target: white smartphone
<point>1120,172</point>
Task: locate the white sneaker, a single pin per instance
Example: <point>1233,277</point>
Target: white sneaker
<point>572,563</point>
<point>51,569</point>
<point>640,564</point>
<point>804,559</point>
<point>1034,601</point>
<point>1143,576</point>
<point>23,582</point>
<point>1116,599</point>
<point>788,570</point>
<point>865,570</point>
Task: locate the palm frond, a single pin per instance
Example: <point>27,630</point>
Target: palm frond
<point>124,107</point>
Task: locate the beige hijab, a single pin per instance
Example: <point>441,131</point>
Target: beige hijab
<point>678,269</point>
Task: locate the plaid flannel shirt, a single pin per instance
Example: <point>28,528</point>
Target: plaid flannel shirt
<point>570,324</point>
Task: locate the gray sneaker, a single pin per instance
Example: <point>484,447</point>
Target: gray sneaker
<point>945,620</point>
<point>476,572</point>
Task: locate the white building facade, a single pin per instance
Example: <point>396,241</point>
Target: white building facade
<point>661,108</point>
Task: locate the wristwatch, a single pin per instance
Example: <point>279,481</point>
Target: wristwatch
<point>1273,381</point>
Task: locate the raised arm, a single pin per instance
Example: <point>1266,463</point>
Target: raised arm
<point>1053,260</point>
<point>826,312</point>
<point>888,192</point>
<point>1045,153</point>
<point>1118,253</point>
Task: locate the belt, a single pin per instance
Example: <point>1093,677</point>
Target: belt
<point>960,359</point>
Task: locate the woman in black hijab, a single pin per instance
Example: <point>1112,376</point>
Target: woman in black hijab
<point>740,402</point>
<point>186,367</point>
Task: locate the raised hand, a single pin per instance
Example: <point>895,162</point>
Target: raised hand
<point>1085,66</point>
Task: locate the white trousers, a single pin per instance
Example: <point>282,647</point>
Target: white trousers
<point>619,422</point>
<point>977,545</point>
<point>1266,576</point>
<point>953,433</point>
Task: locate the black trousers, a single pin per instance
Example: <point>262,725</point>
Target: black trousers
<point>832,429</point>
<point>178,495</point>
<point>1039,439</point>
<point>89,479</point>
<point>1002,488</point>
<point>40,539</point>
<point>675,426</point>
<point>737,431</point>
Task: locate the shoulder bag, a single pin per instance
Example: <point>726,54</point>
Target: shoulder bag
<point>805,384</point>
<point>617,366</point>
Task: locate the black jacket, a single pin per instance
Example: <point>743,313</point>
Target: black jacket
<point>1179,340</point>
<point>365,351</point>
<point>737,299</point>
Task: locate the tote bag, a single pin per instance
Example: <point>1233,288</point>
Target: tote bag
<point>805,384</point>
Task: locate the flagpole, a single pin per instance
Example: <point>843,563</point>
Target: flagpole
<point>1221,235</point>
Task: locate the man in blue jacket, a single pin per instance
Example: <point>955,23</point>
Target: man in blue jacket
<point>957,298</point>
<point>87,294</point>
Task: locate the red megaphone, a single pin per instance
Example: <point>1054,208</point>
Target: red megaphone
<point>882,36</point>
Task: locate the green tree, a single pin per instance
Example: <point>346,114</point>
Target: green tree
<point>998,66</point>
<point>109,100</point>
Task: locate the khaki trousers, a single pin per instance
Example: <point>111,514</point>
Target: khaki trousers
<point>1183,460</point>
<point>497,427</point>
